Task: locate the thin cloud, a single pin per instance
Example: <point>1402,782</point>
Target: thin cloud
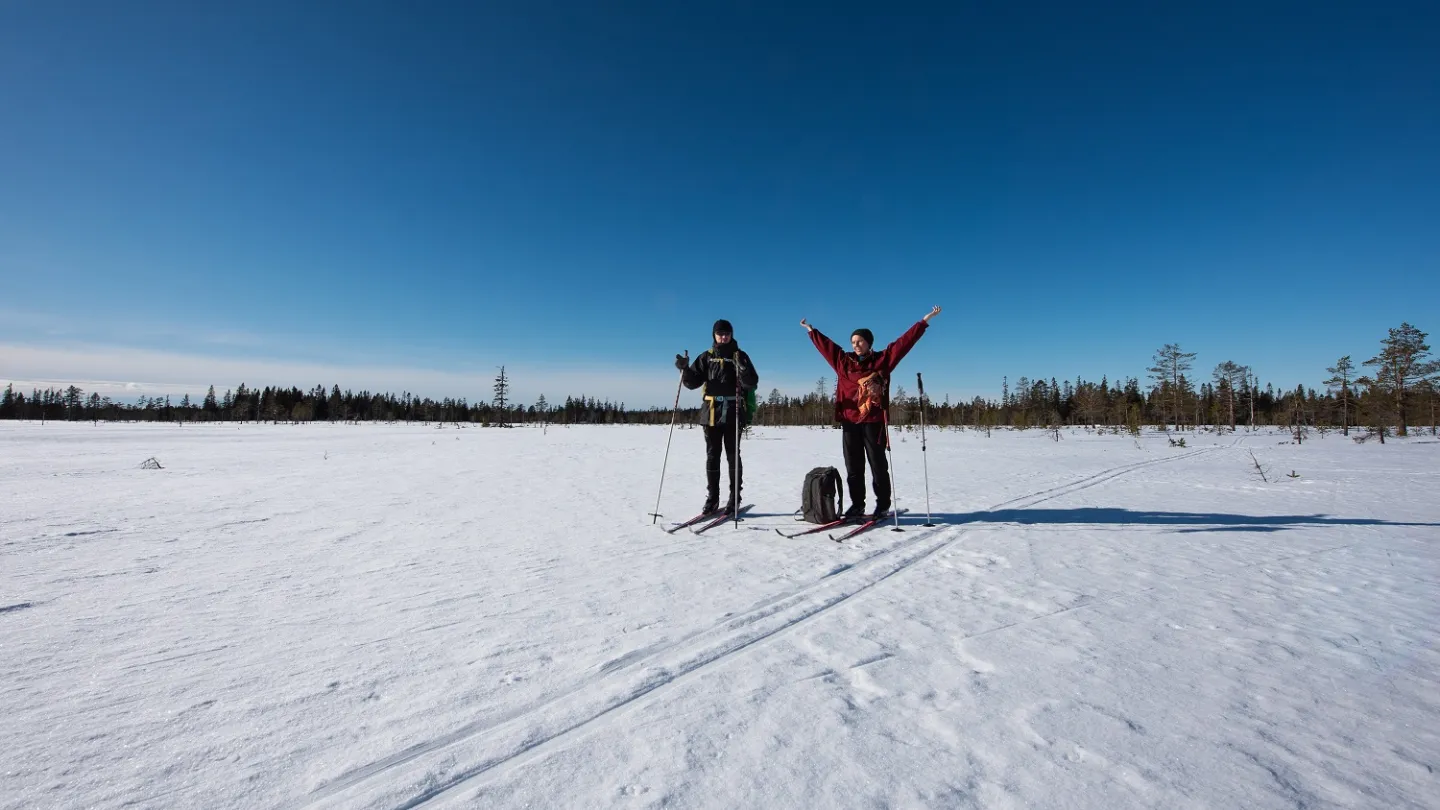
<point>124,374</point>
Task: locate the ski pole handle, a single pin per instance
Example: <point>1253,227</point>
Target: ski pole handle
<point>920,382</point>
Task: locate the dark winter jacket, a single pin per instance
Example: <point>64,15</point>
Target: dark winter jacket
<point>862,385</point>
<point>716,369</point>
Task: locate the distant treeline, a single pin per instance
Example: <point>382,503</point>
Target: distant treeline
<point>1400,391</point>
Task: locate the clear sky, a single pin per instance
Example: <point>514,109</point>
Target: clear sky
<point>407,195</point>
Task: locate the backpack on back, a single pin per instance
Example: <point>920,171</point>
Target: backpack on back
<point>821,498</point>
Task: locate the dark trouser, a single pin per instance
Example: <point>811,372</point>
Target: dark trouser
<point>862,441</point>
<point>716,436</point>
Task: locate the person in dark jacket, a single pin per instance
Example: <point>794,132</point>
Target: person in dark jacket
<point>862,405</point>
<point>727,374</point>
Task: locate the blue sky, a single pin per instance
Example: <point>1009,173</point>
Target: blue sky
<point>406,196</point>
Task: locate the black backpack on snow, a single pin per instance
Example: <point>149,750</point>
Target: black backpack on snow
<point>821,498</point>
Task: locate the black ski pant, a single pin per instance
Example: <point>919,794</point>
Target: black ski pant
<point>866,440</point>
<point>716,436</point>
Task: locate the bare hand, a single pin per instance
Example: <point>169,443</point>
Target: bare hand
<point>808,327</point>
<point>933,312</point>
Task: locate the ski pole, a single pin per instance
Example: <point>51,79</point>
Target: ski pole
<point>735,471</point>
<point>894,502</point>
<point>655,516</point>
<point>924,458</point>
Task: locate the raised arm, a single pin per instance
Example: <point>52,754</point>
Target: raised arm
<point>902,345</point>
<point>827,347</point>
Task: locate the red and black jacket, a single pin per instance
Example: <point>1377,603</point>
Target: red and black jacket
<point>862,385</point>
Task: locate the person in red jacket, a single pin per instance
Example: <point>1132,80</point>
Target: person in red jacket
<point>862,402</point>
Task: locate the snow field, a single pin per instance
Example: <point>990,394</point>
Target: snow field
<point>399,616</point>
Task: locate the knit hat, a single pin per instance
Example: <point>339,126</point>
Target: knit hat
<point>722,327</point>
<point>866,334</point>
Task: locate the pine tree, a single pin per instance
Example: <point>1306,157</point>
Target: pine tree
<point>822,386</point>
<point>241,403</point>
<point>1169,370</point>
<point>72,400</point>
<point>502,393</point>
<point>1229,376</point>
<point>1340,382</point>
<point>1252,384</point>
<point>1401,367</point>
<point>1373,408</point>
<point>1431,392</point>
<point>317,406</point>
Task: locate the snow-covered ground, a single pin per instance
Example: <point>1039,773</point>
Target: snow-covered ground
<point>331,616</point>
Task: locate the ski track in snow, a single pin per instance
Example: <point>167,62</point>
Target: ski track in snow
<point>534,730</point>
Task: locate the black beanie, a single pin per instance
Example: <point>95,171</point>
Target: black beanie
<point>865,333</point>
<point>722,327</point>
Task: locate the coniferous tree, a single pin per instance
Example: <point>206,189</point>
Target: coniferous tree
<point>502,393</point>
<point>1340,382</point>
<point>240,405</point>
<point>1401,367</point>
<point>1431,395</point>
<point>73,398</point>
<point>313,405</point>
<point>1374,408</point>
<point>1229,376</point>
<point>1169,370</point>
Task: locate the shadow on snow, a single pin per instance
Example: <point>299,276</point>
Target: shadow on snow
<point>1192,521</point>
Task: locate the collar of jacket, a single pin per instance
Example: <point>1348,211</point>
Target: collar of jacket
<point>726,351</point>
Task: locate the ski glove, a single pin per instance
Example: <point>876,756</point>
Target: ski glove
<point>680,362</point>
